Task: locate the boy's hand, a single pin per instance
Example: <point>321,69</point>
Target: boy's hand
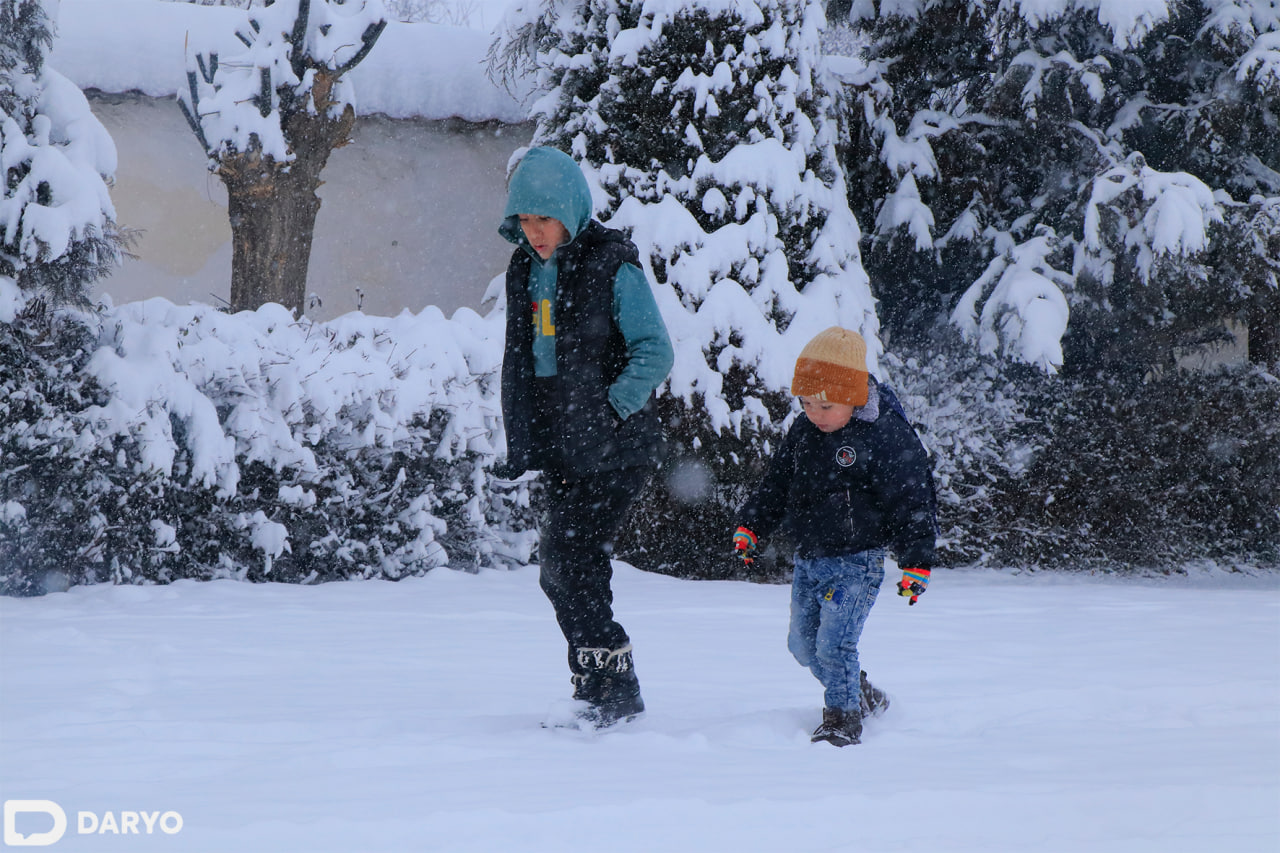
<point>744,545</point>
<point>914,582</point>
<point>505,470</point>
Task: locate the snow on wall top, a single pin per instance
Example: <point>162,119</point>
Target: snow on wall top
<point>414,71</point>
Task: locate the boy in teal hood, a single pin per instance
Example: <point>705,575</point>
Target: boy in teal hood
<point>585,350</point>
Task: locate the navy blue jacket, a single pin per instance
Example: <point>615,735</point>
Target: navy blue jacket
<point>584,434</point>
<point>866,485</point>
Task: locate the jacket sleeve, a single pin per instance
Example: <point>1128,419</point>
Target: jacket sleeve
<point>904,485</point>
<point>649,352</point>
<point>767,506</point>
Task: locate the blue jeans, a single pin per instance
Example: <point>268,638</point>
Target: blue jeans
<point>830,600</point>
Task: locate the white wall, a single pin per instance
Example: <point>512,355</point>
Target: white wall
<point>408,218</point>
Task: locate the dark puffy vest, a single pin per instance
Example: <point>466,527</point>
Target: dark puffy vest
<point>586,436</point>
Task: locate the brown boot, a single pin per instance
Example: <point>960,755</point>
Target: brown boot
<point>839,728</point>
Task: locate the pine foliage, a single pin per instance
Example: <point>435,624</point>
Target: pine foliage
<point>57,224</point>
<point>1022,165</point>
<point>51,470</point>
<point>1091,191</point>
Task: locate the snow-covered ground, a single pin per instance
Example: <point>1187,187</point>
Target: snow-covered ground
<point>1030,713</point>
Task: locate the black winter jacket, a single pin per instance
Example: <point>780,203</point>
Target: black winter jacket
<point>584,434</point>
<point>866,485</point>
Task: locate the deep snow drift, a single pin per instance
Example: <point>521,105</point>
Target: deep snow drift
<point>1031,713</point>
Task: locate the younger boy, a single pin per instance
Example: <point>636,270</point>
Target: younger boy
<point>850,480</point>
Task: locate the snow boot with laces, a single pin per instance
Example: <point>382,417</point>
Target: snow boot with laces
<point>839,727</point>
<point>605,682</point>
<point>874,700</point>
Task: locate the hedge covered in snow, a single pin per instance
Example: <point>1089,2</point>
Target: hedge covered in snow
<point>152,442</point>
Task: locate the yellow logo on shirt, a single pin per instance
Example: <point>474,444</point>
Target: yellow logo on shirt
<point>542,324</point>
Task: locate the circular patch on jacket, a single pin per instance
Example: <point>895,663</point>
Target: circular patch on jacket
<point>846,456</point>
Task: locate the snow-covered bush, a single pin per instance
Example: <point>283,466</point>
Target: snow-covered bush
<point>977,420</point>
<point>1183,469</point>
<point>50,470</point>
<point>57,225</point>
<point>74,508</point>
<point>1040,472</point>
<point>186,443</point>
<point>707,129</point>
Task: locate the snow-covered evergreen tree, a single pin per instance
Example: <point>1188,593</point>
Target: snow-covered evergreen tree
<point>707,127</point>
<point>57,224</point>
<point>1086,188</point>
<point>1073,175</point>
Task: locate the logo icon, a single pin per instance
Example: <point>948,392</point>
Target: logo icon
<point>14,838</point>
<point>846,456</point>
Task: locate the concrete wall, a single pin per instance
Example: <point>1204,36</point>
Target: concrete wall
<point>408,218</point>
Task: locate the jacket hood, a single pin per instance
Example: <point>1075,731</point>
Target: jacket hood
<point>546,182</point>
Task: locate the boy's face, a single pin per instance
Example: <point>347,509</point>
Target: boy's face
<point>544,233</point>
<point>827,417</point>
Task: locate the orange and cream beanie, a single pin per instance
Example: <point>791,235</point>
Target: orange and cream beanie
<point>833,368</point>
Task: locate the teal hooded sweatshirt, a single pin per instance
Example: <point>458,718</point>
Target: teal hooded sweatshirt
<point>548,182</point>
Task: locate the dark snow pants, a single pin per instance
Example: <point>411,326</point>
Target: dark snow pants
<point>579,522</point>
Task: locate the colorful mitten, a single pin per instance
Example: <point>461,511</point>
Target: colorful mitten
<point>913,583</point>
<point>744,545</point>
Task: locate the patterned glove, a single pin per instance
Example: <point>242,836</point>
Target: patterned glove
<point>913,583</point>
<point>744,545</point>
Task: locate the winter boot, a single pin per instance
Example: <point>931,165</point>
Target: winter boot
<point>839,728</point>
<point>874,700</point>
<point>607,683</point>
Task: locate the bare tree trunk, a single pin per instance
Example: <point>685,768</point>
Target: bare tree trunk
<point>272,206</point>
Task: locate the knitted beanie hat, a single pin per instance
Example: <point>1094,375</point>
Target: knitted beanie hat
<point>833,368</point>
